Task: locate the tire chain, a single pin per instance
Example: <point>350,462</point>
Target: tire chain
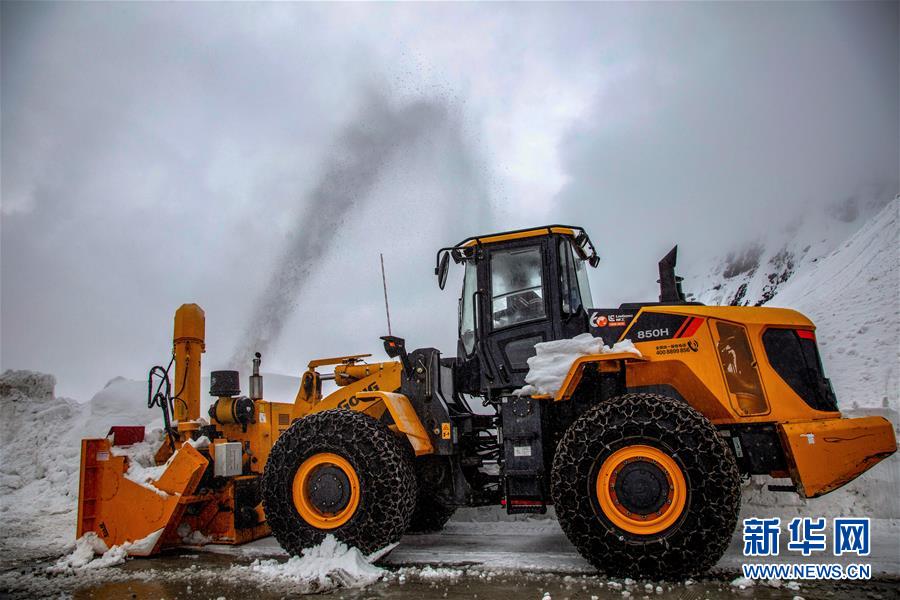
<point>387,479</point>
<point>703,533</point>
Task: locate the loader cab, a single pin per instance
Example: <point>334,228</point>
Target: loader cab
<point>520,288</point>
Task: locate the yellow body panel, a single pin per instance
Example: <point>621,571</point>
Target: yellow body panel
<point>270,421</point>
<point>603,362</point>
<point>336,360</point>
<point>384,376</point>
<point>692,367</point>
<point>405,418</point>
<point>824,455</point>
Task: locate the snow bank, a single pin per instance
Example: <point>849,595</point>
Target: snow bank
<point>328,566</point>
<point>40,441</point>
<point>548,368</point>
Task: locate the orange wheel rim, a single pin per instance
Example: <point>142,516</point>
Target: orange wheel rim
<point>335,508</point>
<point>641,464</point>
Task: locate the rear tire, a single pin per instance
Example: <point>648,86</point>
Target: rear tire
<point>364,469</point>
<point>644,487</point>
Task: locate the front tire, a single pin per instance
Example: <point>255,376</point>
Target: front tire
<point>338,472</point>
<point>644,487</point>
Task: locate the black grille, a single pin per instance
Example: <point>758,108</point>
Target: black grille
<point>796,359</point>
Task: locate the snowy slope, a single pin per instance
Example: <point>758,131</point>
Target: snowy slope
<point>753,273</point>
<point>853,297</point>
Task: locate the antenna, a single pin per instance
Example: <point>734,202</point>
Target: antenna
<point>387,309</point>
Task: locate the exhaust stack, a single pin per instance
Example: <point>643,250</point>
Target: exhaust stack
<point>256,380</point>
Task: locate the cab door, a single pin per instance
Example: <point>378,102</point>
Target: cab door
<point>516,309</point>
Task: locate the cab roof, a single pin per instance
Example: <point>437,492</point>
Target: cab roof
<point>468,248</point>
<point>582,242</point>
<point>518,234</point>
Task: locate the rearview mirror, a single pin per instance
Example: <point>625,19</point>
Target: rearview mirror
<point>393,346</point>
<point>442,270</point>
<point>594,261</point>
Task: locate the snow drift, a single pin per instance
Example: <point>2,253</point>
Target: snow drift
<point>331,564</point>
<point>40,438</point>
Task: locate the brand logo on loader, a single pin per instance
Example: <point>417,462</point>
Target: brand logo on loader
<point>354,401</point>
<point>610,320</point>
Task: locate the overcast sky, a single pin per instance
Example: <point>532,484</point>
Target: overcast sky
<point>231,154</point>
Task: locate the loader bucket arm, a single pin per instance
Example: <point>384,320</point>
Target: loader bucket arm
<point>120,511</point>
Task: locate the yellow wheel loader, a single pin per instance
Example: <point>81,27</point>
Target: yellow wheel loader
<point>641,455</point>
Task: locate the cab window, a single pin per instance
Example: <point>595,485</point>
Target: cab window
<point>467,308</point>
<point>568,279</point>
<point>584,284</point>
<point>517,286</point>
<point>740,368</point>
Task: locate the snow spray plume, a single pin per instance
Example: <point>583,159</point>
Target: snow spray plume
<point>363,151</point>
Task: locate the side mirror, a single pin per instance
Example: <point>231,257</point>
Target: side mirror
<point>396,346</point>
<point>393,346</point>
<point>594,261</point>
<point>442,270</point>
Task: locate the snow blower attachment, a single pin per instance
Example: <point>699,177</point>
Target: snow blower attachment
<point>123,511</point>
<point>205,487</point>
<point>637,424</point>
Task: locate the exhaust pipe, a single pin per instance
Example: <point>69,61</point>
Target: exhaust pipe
<point>256,380</point>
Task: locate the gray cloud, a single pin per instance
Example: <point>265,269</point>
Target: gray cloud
<point>733,120</point>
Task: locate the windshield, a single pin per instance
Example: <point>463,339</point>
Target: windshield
<point>516,284</point>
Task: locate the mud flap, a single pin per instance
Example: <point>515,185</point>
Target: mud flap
<point>826,454</point>
<point>121,511</point>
